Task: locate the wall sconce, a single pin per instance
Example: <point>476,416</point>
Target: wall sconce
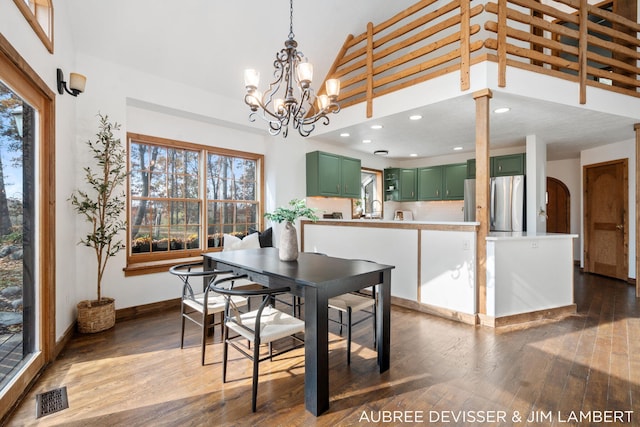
<point>76,83</point>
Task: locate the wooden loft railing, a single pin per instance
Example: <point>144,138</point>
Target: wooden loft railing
<point>411,47</point>
<point>576,41</point>
<point>590,44</point>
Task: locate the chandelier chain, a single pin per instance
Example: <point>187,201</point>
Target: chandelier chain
<point>291,35</point>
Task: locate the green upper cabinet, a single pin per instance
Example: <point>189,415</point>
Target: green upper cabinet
<point>513,164</point>
<point>407,185</point>
<point>471,168</point>
<point>453,181</point>
<point>391,184</point>
<point>430,183</point>
<point>323,174</point>
<point>351,178</point>
<point>445,182</point>
<point>332,175</point>
<point>399,184</point>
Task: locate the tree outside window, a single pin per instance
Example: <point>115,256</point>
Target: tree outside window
<point>185,197</point>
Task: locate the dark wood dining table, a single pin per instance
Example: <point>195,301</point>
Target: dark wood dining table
<point>316,278</point>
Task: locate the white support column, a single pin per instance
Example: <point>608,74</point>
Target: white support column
<point>536,185</point>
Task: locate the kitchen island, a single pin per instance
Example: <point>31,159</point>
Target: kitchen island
<point>528,276</point>
<point>435,261</point>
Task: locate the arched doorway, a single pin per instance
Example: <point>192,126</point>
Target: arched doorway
<point>558,206</point>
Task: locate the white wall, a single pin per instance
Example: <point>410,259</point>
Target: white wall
<point>17,31</point>
<point>570,173</point>
<point>619,150</point>
<point>536,184</point>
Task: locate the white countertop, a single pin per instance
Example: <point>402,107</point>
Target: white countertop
<point>384,221</point>
<point>524,235</point>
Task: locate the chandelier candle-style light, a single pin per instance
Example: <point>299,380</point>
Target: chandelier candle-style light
<point>279,105</point>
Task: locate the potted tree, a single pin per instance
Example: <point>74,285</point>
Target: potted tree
<point>288,248</point>
<point>102,206</point>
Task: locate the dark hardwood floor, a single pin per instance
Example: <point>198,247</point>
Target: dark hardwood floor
<point>584,365</point>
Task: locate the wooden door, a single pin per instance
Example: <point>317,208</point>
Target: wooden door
<point>558,207</point>
<point>606,218</point>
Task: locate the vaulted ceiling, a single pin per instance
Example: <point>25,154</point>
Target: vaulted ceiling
<point>208,43</point>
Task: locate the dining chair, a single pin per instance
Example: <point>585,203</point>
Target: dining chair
<point>201,307</point>
<point>262,326</point>
<point>354,302</point>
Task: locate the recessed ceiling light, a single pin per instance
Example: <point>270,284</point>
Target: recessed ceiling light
<point>457,148</point>
<point>376,127</point>
<point>413,155</point>
<point>501,110</point>
<point>344,134</point>
<point>415,117</point>
<point>366,141</point>
<point>381,152</point>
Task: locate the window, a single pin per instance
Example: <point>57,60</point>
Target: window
<point>39,14</point>
<point>370,203</point>
<point>184,197</point>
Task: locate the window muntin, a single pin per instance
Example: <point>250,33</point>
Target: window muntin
<point>180,192</point>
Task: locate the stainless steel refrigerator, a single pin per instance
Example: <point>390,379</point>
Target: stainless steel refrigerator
<point>507,202</point>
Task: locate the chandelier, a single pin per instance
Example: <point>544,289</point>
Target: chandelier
<point>278,105</point>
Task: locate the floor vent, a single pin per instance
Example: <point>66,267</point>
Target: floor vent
<point>51,401</point>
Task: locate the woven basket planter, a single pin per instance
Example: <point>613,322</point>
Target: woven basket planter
<point>96,316</point>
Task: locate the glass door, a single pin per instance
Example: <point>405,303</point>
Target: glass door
<point>27,226</point>
<point>17,325</point>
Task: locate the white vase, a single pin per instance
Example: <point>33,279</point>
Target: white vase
<point>288,243</point>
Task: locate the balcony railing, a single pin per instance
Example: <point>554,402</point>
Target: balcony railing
<point>584,43</point>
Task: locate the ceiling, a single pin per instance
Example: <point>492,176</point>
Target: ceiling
<point>209,43</point>
<point>449,125</point>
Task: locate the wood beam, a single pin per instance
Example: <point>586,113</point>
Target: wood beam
<point>582,50</point>
<point>369,70</point>
<point>636,127</point>
<point>482,98</point>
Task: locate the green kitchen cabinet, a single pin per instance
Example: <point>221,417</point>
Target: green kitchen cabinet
<point>400,184</point>
<point>408,184</point>
<point>471,169</point>
<point>444,182</point>
<point>332,175</point>
<point>453,177</point>
<point>430,183</point>
<point>351,178</point>
<point>513,164</point>
<point>391,184</point>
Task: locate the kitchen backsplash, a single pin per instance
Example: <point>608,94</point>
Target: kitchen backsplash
<point>427,211</point>
<point>422,211</point>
